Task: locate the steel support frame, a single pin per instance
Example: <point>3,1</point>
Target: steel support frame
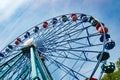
<point>38,64</point>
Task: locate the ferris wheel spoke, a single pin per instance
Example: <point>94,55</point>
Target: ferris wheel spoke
<point>65,57</point>
<point>76,57</point>
<point>67,69</point>
<point>73,56</point>
<point>81,66</point>
<point>87,35</point>
<point>55,39</point>
<point>60,23</point>
<point>62,31</point>
<point>9,68</point>
<point>58,54</point>
<point>16,69</point>
<point>75,39</point>
<point>58,66</point>
<point>86,46</point>
<point>56,32</point>
<point>54,50</point>
<point>24,72</point>
<point>9,59</point>
<point>71,68</point>
<point>53,30</point>
<point>63,36</point>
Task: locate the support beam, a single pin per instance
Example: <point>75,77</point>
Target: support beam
<point>4,73</point>
<point>44,73</point>
<point>25,70</point>
<point>37,63</point>
<point>42,68</point>
<point>9,59</point>
<point>33,64</point>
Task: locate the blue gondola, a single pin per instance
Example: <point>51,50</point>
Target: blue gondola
<point>1,54</point>
<point>27,35</point>
<point>36,29</point>
<point>107,36</point>
<point>84,18</point>
<point>10,46</point>
<point>64,18</point>
<point>105,56</point>
<point>108,68</point>
<point>54,21</point>
<point>93,21</point>
<point>110,45</point>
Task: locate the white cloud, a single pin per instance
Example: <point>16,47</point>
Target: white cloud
<point>39,3</point>
<point>8,8</point>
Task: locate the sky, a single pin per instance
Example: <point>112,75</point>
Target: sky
<point>16,16</point>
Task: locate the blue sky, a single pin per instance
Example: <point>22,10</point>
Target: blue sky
<point>16,16</point>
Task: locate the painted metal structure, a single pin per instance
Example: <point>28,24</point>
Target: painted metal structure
<point>67,47</point>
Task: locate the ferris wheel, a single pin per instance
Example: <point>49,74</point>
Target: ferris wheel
<point>67,47</point>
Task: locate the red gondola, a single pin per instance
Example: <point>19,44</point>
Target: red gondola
<point>45,24</point>
<point>74,17</point>
<point>100,30</point>
<point>18,40</point>
<point>99,25</point>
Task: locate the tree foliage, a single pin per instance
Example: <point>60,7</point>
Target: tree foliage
<point>115,75</point>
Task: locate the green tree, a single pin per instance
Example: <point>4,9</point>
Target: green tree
<point>115,75</point>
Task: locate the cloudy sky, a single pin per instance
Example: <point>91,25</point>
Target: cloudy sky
<point>16,16</point>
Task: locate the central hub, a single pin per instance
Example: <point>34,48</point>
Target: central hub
<point>28,42</point>
<point>37,43</point>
